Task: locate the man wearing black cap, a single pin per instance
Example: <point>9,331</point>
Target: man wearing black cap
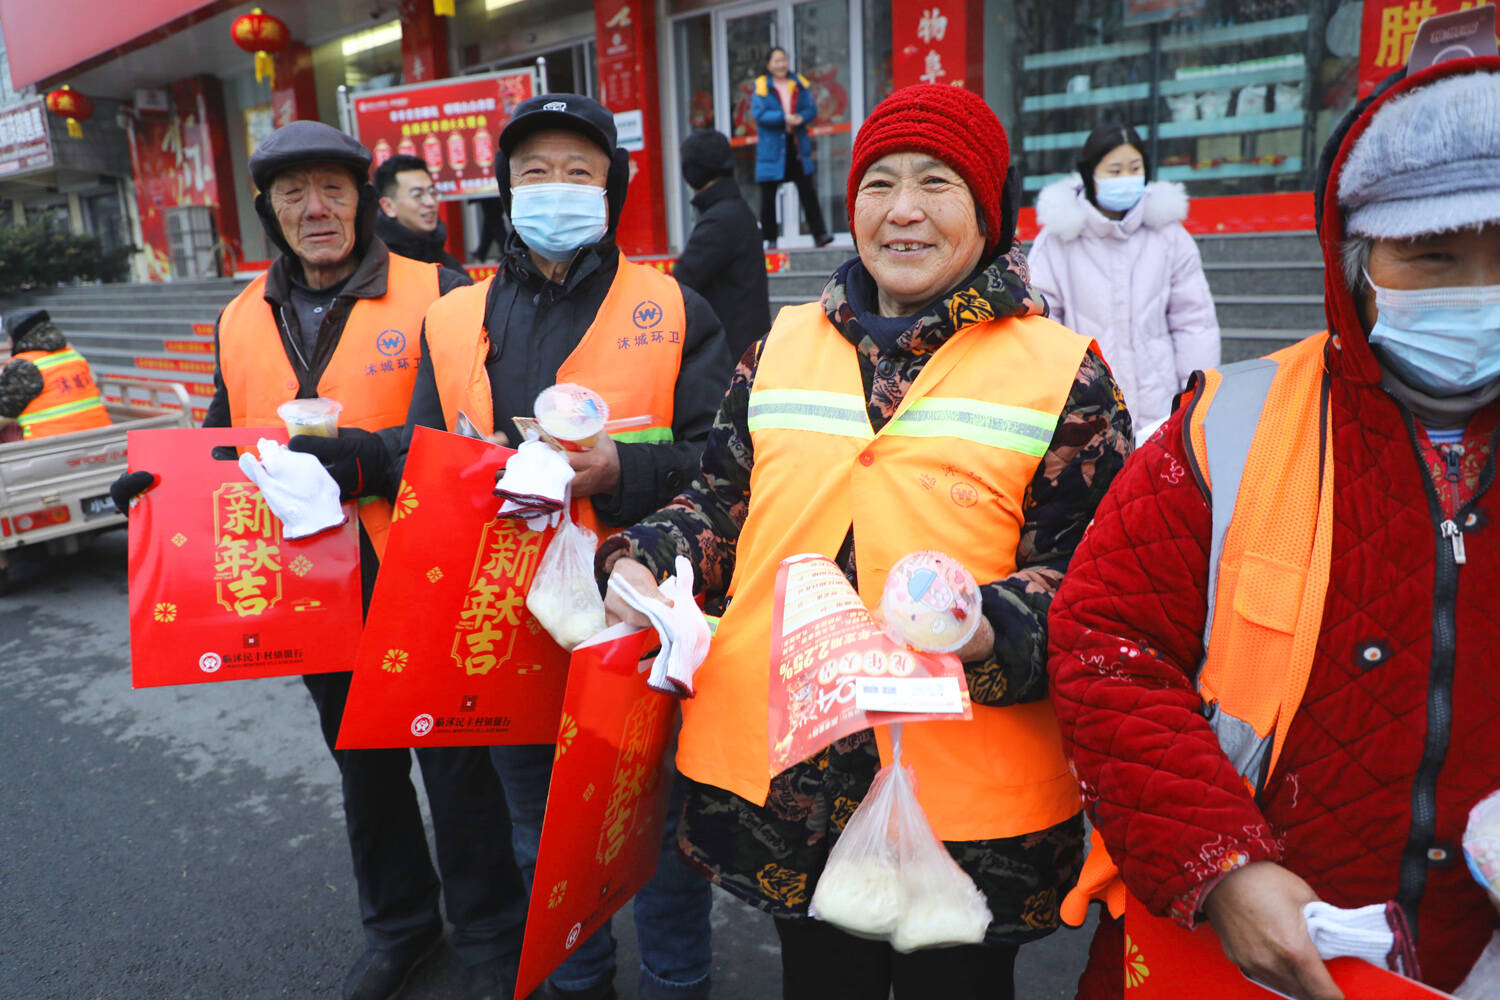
<point>47,387</point>
<point>566,306</point>
<point>338,315</point>
<point>723,260</point>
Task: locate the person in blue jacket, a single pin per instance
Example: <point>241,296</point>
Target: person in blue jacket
<point>783,107</point>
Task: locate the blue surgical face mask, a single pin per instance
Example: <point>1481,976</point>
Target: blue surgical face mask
<point>1119,194</point>
<point>556,220</point>
<point>1443,341</point>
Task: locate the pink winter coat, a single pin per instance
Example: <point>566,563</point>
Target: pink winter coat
<point>1136,286</point>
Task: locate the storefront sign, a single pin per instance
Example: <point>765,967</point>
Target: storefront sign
<point>1388,32</point>
<point>831,657</point>
<point>217,592</point>
<point>44,39</point>
<point>453,124</point>
<point>450,655</point>
<point>1146,11</point>
<point>607,804</point>
<point>938,41</point>
<point>24,142</point>
<point>625,33</point>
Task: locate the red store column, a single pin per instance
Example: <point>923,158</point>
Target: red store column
<point>295,95</point>
<point>625,32</point>
<point>424,56</point>
<point>938,41</point>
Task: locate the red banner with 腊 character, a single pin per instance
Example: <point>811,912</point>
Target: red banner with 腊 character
<point>450,655</point>
<point>607,804</point>
<point>1388,30</point>
<point>217,592</point>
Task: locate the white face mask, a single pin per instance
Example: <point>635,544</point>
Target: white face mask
<point>1444,341</point>
<point>556,220</point>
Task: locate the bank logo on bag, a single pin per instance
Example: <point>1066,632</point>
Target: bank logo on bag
<point>421,725</point>
<point>247,557</point>
<point>390,342</point>
<point>646,315</point>
<point>573,935</point>
<point>210,663</point>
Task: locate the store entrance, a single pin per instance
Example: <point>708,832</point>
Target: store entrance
<point>718,56</point>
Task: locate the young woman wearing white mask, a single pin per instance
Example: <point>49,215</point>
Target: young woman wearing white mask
<point>1115,264</point>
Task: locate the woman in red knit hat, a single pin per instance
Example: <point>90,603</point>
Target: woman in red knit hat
<point>925,402</point>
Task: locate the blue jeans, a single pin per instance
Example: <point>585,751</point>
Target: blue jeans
<point>671,910</point>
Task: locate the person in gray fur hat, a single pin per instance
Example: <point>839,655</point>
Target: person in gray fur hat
<point>47,388</point>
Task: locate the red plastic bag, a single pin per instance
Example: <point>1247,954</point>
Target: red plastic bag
<point>450,654</point>
<point>216,592</point>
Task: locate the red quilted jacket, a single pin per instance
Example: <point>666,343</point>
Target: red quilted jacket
<point>1398,734</point>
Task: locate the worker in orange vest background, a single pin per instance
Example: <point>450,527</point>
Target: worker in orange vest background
<point>47,387</point>
<point>337,315</point>
<point>567,306</point>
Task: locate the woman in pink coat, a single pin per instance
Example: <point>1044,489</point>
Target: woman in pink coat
<point>1115,264</point>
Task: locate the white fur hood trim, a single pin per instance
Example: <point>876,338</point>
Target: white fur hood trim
<point>1064,211</point>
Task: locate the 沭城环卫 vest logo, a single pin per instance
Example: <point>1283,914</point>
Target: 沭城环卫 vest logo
<point>646,315</point>
<point>391,342</point>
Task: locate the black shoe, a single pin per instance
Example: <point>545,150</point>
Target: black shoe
<point>381,973</point>
<point>492,980</point>
<point>823,241</point>
<point>604,991</point>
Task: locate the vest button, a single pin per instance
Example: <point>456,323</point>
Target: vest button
<point>866,458</point>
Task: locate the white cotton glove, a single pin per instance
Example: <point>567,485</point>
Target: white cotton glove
<point>1363,932</point>
<point>297,488</point>
<point>535,483</point>
<point>680,626</point>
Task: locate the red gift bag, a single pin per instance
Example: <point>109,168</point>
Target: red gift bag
<point>607,804</point>
<point>450,655</point>
<point>216,592</point>
<point>1165,961</point>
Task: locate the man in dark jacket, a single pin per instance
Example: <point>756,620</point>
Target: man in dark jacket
<point>723,260</point>
<point>563,181</point>
<point>408,220</point>
<point>331,310</point>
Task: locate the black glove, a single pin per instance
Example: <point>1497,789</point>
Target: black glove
<point>356,459</point>
<point>129,486</point>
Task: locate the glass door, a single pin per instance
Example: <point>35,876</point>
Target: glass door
<point>820,49</point>
<point>745,39</point>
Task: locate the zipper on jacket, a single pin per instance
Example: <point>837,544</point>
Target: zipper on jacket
<point>1450,555</point>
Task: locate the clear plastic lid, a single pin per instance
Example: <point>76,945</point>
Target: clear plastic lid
<point>931,602</point>
<point>310,412</point>
<point>571,412</point>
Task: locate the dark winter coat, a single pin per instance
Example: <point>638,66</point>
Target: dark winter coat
<point>770,119</point>
<point>724,263</point>
<point>407,242</point>
<point>1394,740</point>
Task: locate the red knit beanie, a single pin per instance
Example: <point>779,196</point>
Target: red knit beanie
<point>950,123</point>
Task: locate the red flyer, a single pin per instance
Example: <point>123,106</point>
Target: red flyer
<point>216,592</point>
<point>607,805</point>
<point>835,671</point>
<point>450,656</point>
<point>1165,961</point>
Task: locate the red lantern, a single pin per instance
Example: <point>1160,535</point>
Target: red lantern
<point>265,35</point>
<point>70,104</point>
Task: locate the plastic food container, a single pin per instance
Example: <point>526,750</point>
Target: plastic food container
<point>572,414</point>
<point>931,602</point>
<point>316,417</point>
<point>1481,842</point>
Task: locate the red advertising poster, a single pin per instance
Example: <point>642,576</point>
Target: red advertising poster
<point>217,593</point>
<point>938,41</point>
<point>453,124</point>
<point>450,655</point>
<point>1388,30</point>
<point>607,804</point>
<point>25,144</point>
<point>832,665</point>
<point>625,33</point>
<point>1165,961</point>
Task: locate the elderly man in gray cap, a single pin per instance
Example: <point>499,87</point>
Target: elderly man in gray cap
<point>339,316</point>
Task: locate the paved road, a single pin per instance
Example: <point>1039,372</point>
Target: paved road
<point>188,842</point>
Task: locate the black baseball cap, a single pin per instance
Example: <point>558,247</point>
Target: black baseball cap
<point>572,112</point>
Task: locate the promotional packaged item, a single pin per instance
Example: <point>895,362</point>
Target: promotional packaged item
<point>889,876</point>
<point>572,414</point>
<point>1482,843</point>
<point>564,596</point>
<point>316,417</point>
<point>931,602</point>
<point>606,804</point>
<point>219,589</point>
<point>451,655</point>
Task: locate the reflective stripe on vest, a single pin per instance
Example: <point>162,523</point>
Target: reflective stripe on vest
<point>944,474</point>
<point>372,371</point>
<point>635,379</point>
<point>69,400</point>
<point>1258,434</point>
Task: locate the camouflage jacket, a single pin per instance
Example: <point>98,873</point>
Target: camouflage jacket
<point>771,855</point>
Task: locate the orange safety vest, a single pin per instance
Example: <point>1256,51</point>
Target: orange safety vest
<point>949,472</point>
<point>1261,445</point>
<point>69,400</point>
<point>630,355</point>
<point>372,371</point>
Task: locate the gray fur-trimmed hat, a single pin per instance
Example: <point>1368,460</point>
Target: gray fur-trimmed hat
<point>1429,162</point>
